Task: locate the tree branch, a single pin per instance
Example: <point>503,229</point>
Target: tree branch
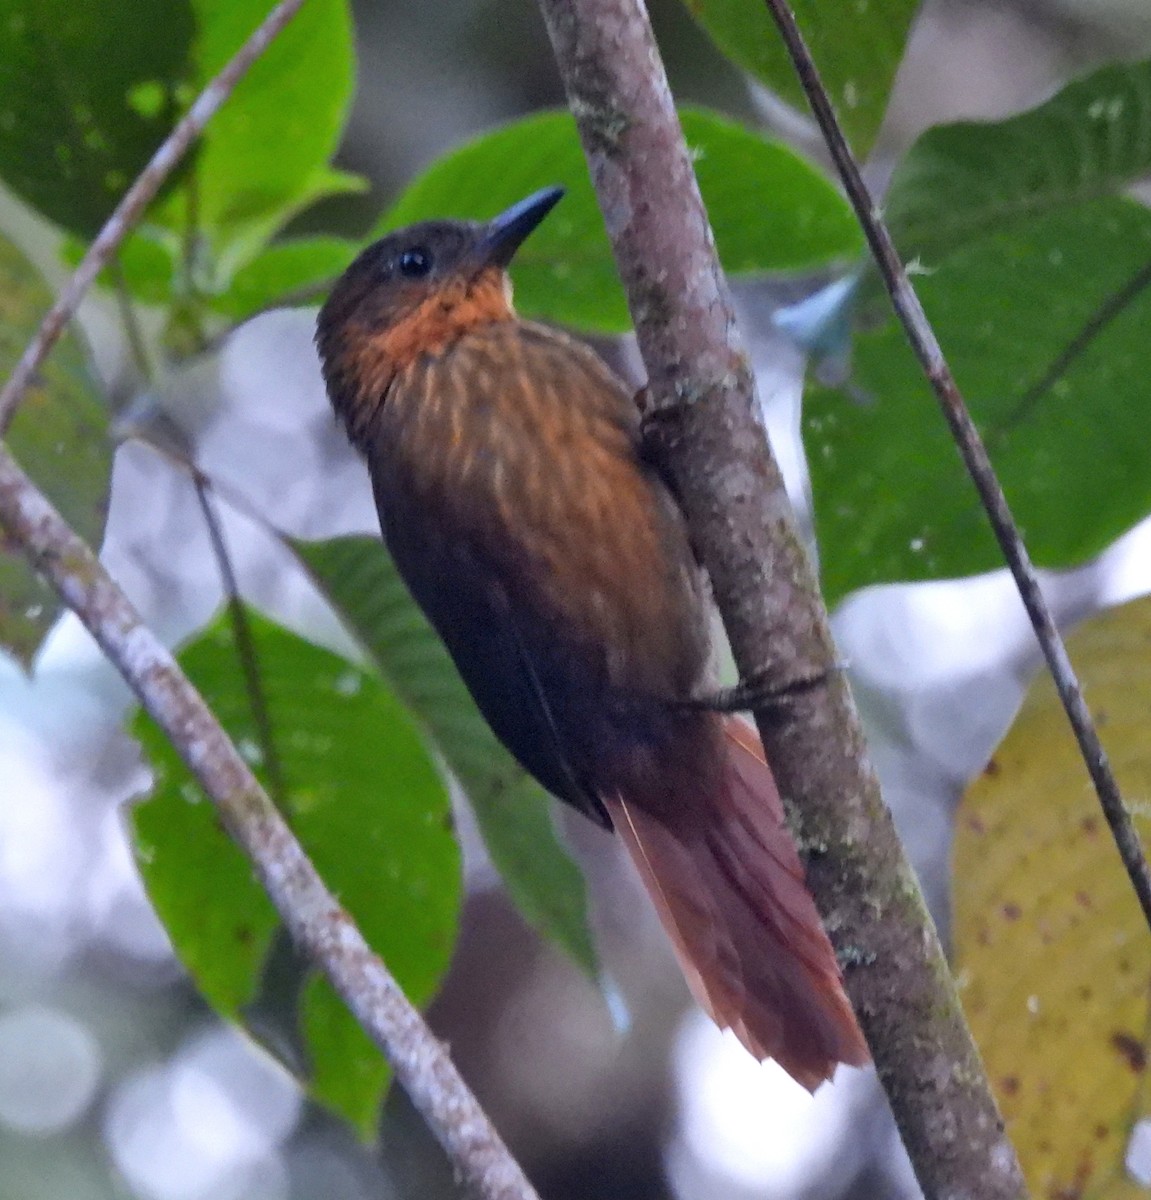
<point>315,919</point>
<point>974,453</point>
<point>704,397</point>
<point>135,200</point>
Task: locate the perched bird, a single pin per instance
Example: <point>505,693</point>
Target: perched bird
<point>517,501</point>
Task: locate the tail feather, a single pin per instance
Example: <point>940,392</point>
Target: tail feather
<point>726,880</point>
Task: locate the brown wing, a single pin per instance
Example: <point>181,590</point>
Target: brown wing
<point>553,563</point>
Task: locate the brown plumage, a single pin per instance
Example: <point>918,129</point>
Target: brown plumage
<point>555,564</point>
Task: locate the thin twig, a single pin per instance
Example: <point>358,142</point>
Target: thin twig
<point>132,206</point>
<point>244,643</point>
<point>169,446</point>
<point>190,251</point>
<point>703,397</point>
<point>975,458</point>
<point>314,917</point>
<point>133,334</point>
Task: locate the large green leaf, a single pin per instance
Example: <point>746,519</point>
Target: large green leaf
<point>60,437</point>
<point>266,154</point>
<point>960,182</point>
<point>770,210</point>
<point>368,806</point>
<point>86,95</point>
<point>295,270</point>
<point>358,577</point>
<point>1028,251</point>
<point>857,48</point>
<point>892,501</point>
<point>263,158</point>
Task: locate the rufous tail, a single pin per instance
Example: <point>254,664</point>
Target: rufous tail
<point>729,888</point>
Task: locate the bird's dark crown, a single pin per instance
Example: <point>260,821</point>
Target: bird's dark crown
<point>397,273</point>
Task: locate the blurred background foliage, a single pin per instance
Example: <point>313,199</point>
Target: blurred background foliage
<point>1033,249</point>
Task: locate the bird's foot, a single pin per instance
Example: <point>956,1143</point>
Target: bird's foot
<point>657,421</point>
<point>758,692</point>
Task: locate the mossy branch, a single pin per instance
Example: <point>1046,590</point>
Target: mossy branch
<point>703,393</point>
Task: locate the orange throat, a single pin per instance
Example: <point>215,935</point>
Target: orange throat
<point>446,315</point>
<point>374,358</point>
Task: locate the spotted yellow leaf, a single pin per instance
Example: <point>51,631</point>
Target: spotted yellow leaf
<point>1052,952</point>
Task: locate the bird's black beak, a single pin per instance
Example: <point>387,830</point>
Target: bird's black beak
<point>507,232</point>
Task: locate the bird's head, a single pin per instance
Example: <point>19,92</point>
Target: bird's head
<point>415,292</point>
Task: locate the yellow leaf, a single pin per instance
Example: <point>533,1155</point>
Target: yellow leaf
<point>1052,952</point>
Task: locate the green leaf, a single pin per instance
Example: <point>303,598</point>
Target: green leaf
<point>59,435</point>
<point>287,271</point>
<point>369,808</point>
<point>358,578</point>
<point>86,96</point>
<point>217,915</point>
<point>347,1072</point>
<point>857,48</point>
<point>964,181</point>
<point>265,154</point>
<point>1028,250</point>
<point>892,501</point>
<point>770,210</point>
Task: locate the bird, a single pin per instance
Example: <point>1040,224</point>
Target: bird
<point>542,540</point>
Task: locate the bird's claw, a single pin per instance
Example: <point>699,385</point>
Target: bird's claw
<point>759,692</point>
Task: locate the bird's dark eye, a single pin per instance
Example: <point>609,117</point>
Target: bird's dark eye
<point>415,263</point>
